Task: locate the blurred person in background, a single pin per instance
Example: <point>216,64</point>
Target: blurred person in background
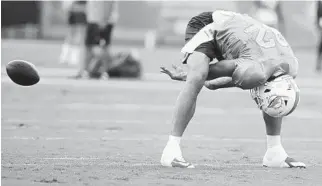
<point>319,25</point>
<point>101,18</point>
<point>74,42</point>
<point>269,12</point>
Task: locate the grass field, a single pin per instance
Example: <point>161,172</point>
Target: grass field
<point>68,132</point>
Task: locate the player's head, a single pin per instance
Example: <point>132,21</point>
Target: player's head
<point>196,23</point>
<point>277,98</point>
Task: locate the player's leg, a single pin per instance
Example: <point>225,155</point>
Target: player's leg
<point>101,53</point>
<point>319,58</point>
<point>78,38</point>
<point>275,155</point>
<point>101,56</point>
<point>74,47</point>
<point>67,45</point>
<point>198,70</point>
<point>107,57</point>
<point>92,43</point>
<point>198,65</point>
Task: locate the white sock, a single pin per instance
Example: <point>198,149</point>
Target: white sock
<point>273,141</point>
<point>275,151</point>
<point>174,139</point>
<point>64,53</point>
<point>74,55</point>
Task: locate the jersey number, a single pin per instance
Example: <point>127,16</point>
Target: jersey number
<point>269,42</point>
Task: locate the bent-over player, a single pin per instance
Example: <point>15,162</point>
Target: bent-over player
<point>251,56</point>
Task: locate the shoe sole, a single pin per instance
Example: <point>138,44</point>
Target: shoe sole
<point>181,164</point>
<point>292,163</point>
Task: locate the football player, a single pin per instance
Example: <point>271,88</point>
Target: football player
<point>249,55</point>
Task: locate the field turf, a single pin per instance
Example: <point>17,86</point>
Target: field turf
<point>85,132</point>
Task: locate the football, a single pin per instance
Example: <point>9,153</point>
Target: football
<point>22,72</point>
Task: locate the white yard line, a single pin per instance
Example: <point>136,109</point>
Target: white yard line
<point>65,72</point>
<point>219,165</point>
<point>137,165</point>
<point>164,86</point>
<point>299,113</point>
<point>76,121</point>
<point>161,138</point>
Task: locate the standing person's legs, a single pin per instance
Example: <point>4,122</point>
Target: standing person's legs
<point>319,56</point>
<point>66,50</point>
<point>78,53</point>
<point>101,60</point>
<point>107,58</point>
<point>78,37</point>
<point>90,49</point>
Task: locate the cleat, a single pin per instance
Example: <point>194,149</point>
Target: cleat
<point>181,164</point>
<point>292,163</point>
<point>287,163</point>
<point>277,157</point>
<point>172,157</point>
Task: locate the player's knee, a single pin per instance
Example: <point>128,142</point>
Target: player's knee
<point>195,80</point>
<point>249,78</point>
<point>197,72</point>
<point>97,51</point>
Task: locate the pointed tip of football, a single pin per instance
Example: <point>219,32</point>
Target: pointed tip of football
<point>22,72</point>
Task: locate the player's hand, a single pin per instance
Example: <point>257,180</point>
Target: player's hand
<point>176,74</point>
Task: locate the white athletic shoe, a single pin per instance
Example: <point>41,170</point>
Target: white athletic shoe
<point>277,157</point>
<point>105,76</point>
<point>172,157</point>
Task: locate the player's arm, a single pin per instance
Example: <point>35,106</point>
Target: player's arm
<point>220,75</point>
<point>243,73</point>
<point>209,50</point>
<point>211,83</point>
<point>178,74</point>
<point>218,83</point>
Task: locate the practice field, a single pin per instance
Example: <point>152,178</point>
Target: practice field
<point>69,132</point>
